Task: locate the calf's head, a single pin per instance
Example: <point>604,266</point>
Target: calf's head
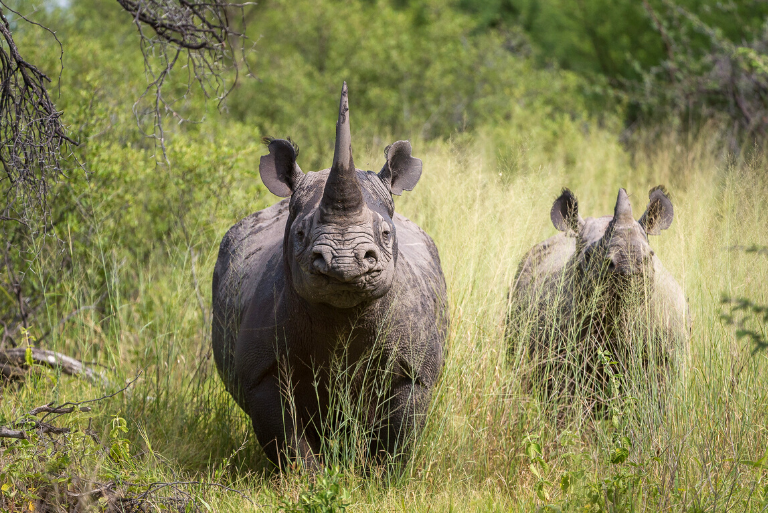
<point>340,243</point>
<point>615,249</point>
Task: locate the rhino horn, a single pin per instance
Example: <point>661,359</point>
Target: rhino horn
<point>622,213</point>
<point>343,195</point>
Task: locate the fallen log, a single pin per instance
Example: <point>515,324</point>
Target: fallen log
<point>16,359</point>
<point>12,433</point>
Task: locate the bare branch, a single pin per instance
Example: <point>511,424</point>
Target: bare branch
<point>664,36</point>
<point>198,33</point>
<point>153,488</point>
<point>43,427</point>
<point>97,491</point>
<point>11,372</point>
<point>49,408</point>
<point>32,134</point>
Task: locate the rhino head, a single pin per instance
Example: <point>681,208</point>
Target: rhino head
<point>615,250</point>
<point>340,245</point>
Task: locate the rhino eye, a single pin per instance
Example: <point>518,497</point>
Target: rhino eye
<point>300,234</point>
<point>385,235</point>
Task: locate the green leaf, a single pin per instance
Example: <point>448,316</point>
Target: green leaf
<point>619,455</point>
<point>565,482</point>
<point>754,464</point>
<point>542,463</point>
<point>533,449</point>
<point>761,463</point>
<point>541,492</point>
<point>28,356</point>
<point>207,506</point>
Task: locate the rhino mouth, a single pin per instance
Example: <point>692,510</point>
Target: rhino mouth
<point>361,282</point>
<point>344,293</point>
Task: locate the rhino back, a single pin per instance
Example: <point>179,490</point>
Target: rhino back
<point>419,250</point>
<point>544,264</point>
<point>670,302</point>
<point>248,255</point>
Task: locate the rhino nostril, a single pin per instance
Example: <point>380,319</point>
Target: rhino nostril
<point>371,257</point>
<point>318,261</point>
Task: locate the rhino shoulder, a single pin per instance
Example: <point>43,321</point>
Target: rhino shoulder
<point>415,245</point>
<point>545,260</point>
<point>246,240</point>
<point>670,299</point>
<point>420,323</point>
<point>418,269</point>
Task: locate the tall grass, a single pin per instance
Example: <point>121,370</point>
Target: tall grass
<point>489,442</point>
<point>689,456</point>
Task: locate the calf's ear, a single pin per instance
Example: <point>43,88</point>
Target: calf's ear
<point>402,171</point>
<point>659,213</point>
<point>565,212</point>
<point>279,170</point>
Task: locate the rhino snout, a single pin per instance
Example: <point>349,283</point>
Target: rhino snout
<point>627,264</point>
<point>345,266</point>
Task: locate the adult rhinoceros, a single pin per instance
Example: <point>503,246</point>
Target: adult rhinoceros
<point>595,301</point>
<point>330,277</point>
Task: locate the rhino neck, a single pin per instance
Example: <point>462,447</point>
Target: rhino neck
<point>606,307</point>
<point>326,323</point>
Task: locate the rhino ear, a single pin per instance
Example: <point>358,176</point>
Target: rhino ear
<point>659,213</point>
<point>279,170</point>
<point>565,212</point>
<point>402,171</point>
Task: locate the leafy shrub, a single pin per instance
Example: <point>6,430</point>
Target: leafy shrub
<point>324,493</point>
<point>705,74</point>
<point>432,77</point>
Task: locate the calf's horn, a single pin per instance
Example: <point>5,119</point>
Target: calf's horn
<point>342,195</point>
<point>622,213</point>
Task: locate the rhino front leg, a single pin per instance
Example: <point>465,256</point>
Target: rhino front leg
<point>404,415</point>
<point>274,418</point>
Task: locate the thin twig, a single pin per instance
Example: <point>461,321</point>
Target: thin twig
<point>154,487</point>
<point>199,29</point>
<point>32,134</point>
<point>73,314</point>
<point>664,37</point>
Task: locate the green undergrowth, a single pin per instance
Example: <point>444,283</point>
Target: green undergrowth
<point>490,443</point>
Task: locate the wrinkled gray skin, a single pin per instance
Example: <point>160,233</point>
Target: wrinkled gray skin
<point>600,283</point>
<point>331,272</point>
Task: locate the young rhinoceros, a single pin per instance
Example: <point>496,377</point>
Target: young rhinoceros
<point>331,276</point>
<point>595,300</point>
